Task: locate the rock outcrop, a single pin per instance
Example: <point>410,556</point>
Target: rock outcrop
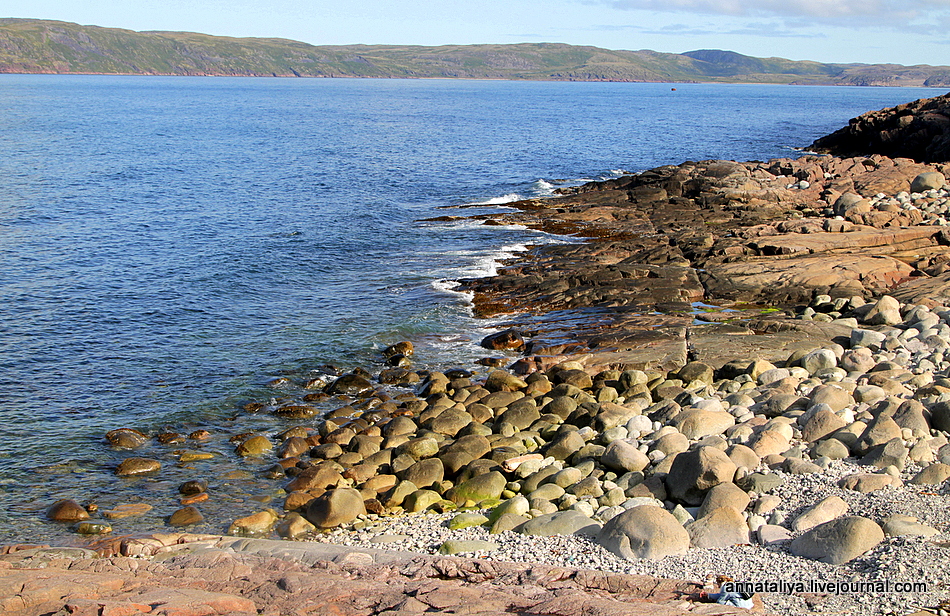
<point>919,130</point>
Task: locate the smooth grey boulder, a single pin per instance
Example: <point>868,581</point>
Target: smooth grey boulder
<point>646,531</point>
<point>935,474</point>
<point>823,511</point>
<point>838,541</point>
<point>719,528</point>
<point>928,180</point>
<point>568,522</point>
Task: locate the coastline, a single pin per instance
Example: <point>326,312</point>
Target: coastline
<point>685,329</point>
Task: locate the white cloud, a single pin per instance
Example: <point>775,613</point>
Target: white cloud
<point>887,13</point>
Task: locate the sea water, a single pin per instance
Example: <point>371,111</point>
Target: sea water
<point>170,244</point>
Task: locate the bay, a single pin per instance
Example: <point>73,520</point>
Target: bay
<point>168,245</point>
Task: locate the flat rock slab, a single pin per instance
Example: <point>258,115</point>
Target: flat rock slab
<point>219,575</point>
<point>797,278</point>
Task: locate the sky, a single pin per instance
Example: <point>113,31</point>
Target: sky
<point>869,31</point>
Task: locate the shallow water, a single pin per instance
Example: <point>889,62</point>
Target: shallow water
<point>168,245</point>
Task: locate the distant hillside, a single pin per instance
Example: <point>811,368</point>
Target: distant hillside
<point>40,46</point>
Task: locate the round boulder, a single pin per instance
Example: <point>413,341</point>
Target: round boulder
<point>694,472</point>
<point>838,541</point>
<point>929,180</point>
<point>646,531</point>
<point>623,456</point>
<point>336,507</point>
<point>67,510</point>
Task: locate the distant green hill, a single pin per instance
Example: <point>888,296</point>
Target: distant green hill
<point>41,46</point>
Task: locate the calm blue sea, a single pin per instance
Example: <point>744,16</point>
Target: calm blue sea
<point>168,245</point>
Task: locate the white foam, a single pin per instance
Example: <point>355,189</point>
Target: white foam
<point>543,188</point>
<point>509,198</point>
<point>449,287</point>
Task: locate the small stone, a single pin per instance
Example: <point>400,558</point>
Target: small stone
<point>467,520</point>
<point>186,516</point>
<point>127,511</point>
<point>92,528</point>
<point>463,546</point>
<point>137,466</point>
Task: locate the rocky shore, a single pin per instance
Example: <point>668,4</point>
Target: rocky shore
<point>733,370</point>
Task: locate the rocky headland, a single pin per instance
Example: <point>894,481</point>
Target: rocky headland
<point>730,370</point>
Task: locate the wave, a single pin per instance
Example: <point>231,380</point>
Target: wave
<point>502,200</point>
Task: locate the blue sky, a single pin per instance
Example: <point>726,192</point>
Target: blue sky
<point>871,31</point>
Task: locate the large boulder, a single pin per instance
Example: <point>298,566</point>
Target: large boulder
<point>694,472</point>
<point>720,528</point>
<point>646,531</point>
<point>623,456</point>
<point>823,511</point>
<point>838,541</point>
<point>336,507</point>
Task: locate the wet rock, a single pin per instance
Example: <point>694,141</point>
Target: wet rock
<point>186,516</point>
<point>509,339</point>
<point>67,510</point>
<point>255,524</point>
<point>349,384</point>
<point>92,528</point>
<point>126,438</point>
<point>838,541</point>
<point>644,532</point>
<point>404,348</point>
<point>137,466</point>
<point>193,486</point>
<point>129,510</point>
<point>254,446</point>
